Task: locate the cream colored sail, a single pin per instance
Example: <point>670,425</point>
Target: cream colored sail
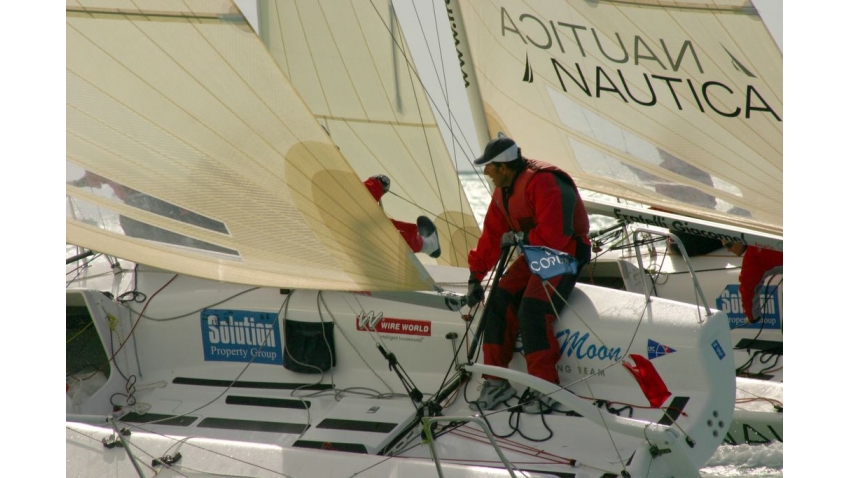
<point>673,104</point>
<point>189,150</point>
<point>350,64</point>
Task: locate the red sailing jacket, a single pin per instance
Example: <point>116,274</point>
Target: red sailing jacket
<point>756,265</point>
<point>536,206</point>
<point>376,189</point>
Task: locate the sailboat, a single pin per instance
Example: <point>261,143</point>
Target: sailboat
<point>676,111</point>
<point>239,304</point>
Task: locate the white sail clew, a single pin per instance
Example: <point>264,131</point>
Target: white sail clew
<point>189,149</point>
<point>677,105</point>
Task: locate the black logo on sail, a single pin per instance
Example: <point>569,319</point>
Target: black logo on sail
<point>529,75</point>
<point>738,65</point>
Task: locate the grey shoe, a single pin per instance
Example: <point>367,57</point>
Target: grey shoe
<point>534,403</point>
<point>493,393</point>
<point>430,239</point>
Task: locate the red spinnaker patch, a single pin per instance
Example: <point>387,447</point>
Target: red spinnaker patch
<point>650,382</point>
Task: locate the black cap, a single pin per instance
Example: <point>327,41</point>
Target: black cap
<point>499,150</point>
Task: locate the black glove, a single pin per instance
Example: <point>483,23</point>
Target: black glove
<point>475,293</point>
<point>511,238</point>
<point>385,181</point>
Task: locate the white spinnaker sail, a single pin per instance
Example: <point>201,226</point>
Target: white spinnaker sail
<point>189,150</point>
<point>673,104</point>
<point>350,64</point>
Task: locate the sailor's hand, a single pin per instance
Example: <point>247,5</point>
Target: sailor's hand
<point>475,293</point>
<point>511,238</point>
<point>385,181</point>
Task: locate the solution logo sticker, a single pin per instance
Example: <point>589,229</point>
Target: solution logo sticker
<point>730,302</point>
<point>241,336</point>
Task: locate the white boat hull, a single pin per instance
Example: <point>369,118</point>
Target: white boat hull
<point>279,416</point>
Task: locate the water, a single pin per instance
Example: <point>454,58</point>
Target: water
<point>750,461</point>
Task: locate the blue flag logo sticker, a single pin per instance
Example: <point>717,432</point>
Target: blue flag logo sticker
<point>655,349</point>
<point>718,349</point>
<point>546,263</point>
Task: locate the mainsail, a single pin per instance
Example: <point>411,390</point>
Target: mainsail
<point>677,105</point>
<point>189,149</point>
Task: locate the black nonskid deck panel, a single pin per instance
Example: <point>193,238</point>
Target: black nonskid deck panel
<point>672,412</point>
<point>323,445</point>
<point>252,425</point>
<point>247,384</point>
<point>160,419</point>
<point>357,425</point>
<point>267,402</point>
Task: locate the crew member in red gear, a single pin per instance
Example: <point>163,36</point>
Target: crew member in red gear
<point>758,264</point>
<point>422,236</point>
<point>542,202</point>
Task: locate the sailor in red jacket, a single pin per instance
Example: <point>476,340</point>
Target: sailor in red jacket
<point>758,264</point>
<point>542,202</point>
<point>422,236</point>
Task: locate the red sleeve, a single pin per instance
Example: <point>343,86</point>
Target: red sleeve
<point>553,207</point>
<point>375,188</point>
<point>486,253</point>
<point>756,263</point>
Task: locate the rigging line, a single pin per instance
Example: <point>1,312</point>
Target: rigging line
<point>419,108</point>
<point>112,358</point>
<point>474,434</point>
<point>696,271</point>
<point>628,348</point>
<point>234,381</point>
<point>356,350</point>
<point>129,387</point>
<point>331,356</point>
<point>586,382</point>
<point>448,104</point>
<point>445,85</point>
<point>186,442</point>
<point>126,448</point>
<point>462,228</point>
<point>102,274</point>
<point>166,319</point>
<point>84,265</point>
<point>150,15</point>
<point>227,389</point>
<point>415,73</point>
<point>284,307</point>
<point>79,333</point>
<point>412,69</point>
